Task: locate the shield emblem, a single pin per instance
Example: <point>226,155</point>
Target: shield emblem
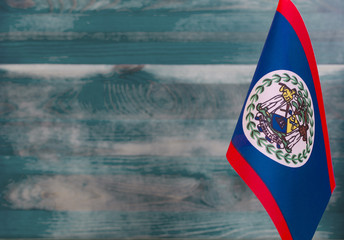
<point>279,123</point>
<point>292,124</point>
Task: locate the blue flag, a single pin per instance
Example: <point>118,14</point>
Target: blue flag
<point>280,146</point>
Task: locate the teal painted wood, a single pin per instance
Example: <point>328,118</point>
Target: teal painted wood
<point>136,151</point>
<point>156,32</point>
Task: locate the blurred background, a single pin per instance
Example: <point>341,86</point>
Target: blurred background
<point>116,115</point>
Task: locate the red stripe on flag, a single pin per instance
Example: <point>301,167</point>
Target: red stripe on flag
<point>251,178</point>
<point>290,12</point>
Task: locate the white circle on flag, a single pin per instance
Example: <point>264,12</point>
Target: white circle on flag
<point>278,118</point>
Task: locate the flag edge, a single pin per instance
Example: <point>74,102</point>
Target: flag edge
<point>293,16</point>
<point>258,187</point>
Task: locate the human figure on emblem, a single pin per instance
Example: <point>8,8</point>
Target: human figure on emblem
<point>278,102</point>
<point>283,118</point>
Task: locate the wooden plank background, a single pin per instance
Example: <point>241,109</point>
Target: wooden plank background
<point>116,116</point>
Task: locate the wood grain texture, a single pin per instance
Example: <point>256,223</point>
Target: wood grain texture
<point>136,151</point>
<point>156,32</point>
<point>92,150</point>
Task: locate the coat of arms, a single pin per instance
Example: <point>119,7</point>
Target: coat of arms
<point>278,118</point>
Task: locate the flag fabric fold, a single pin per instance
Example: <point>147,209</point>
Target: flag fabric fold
<point>280,146</point>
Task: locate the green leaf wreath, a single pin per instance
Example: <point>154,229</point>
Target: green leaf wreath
<point>261,141</point>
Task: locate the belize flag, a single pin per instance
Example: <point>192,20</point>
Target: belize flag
<point>280,146</point>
